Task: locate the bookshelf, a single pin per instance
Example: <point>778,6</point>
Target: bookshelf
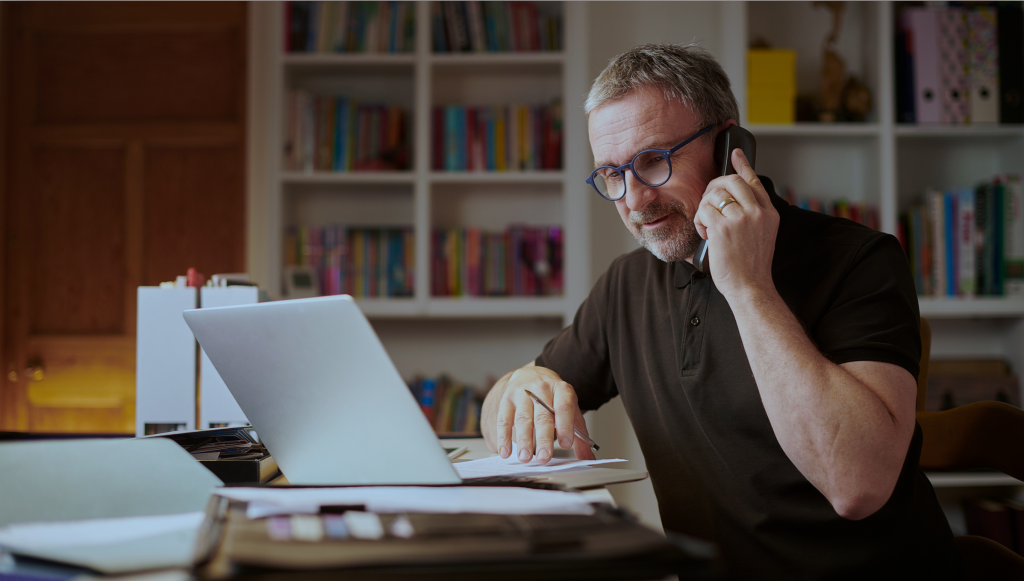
<point>467,337</point>
<point>880,162</point>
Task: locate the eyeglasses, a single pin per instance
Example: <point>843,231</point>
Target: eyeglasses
<point>653,167</point>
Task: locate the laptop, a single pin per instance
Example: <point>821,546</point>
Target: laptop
<point>317,385</point>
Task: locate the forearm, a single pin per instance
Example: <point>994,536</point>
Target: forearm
<point>841,435</point>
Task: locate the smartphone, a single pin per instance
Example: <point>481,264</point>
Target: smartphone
<point>734,137</point>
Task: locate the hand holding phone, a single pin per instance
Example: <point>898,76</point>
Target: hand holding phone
<point>734,137</point>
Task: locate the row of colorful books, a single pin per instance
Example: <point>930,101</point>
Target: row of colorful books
<point>362,262</point>
<point>958,65</point>
<point>496,26</point>
<point>858,211</point>
<point>521,261</point>
<point>451,407</point>
<point>327,27</point>
<point>968,241</point>
<point>329,133</point>
<point>497,137</point>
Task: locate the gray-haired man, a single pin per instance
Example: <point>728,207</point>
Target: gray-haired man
<point>774,402</point>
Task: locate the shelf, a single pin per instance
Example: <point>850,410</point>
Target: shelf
<point>348,177</point>
<point>483,307</point>
<point>462,307</point>
<point>969,479</point>
<point>926,131</point>
<point>348,59</point>
<point>980,307</point>
<point>815,130</point>
<point>497,58</point>
<point>482,177</point>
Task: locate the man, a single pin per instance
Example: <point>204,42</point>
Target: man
<point>774,401</point>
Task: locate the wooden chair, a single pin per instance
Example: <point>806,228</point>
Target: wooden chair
<point>983,435</point>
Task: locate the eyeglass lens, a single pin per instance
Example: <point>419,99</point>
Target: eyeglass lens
<point>651,166</point>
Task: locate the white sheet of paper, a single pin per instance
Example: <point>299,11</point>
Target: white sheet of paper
<point>110,545</point>
<point>496,466</point>
<point>96,531</point>
<point>269,501</point>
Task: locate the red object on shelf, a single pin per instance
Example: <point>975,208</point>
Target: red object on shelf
<point>194,277</point>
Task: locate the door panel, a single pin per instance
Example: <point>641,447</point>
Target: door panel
<point>124,142</point>
<point>78,241</point>
<point>193,196</point>
<point>185,75</point>
<point>84,384</point>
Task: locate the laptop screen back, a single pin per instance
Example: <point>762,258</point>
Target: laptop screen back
<point>323,395</point>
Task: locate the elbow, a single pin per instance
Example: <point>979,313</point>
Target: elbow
<point>862,503</point>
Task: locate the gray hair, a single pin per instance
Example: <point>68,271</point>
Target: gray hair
<point>683,72</point>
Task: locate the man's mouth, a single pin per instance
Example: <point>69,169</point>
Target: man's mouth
<point>655,223</point>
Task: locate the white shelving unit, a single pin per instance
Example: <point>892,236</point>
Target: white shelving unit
<point>890,165</point>
<point>881,162</point>
<point>426,199</point>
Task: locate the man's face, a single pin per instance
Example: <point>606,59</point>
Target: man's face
<point>661,218</point>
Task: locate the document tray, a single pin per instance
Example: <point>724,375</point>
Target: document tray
<point>609,544</point>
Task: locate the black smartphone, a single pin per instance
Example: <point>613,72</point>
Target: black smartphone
<point>734,137</point>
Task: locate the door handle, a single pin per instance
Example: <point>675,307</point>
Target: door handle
<point>34,369</point>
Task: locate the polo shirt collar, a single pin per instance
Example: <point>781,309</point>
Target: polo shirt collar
<point>684,271</point>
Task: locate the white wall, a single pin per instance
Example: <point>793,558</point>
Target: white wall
<point>614,28</point>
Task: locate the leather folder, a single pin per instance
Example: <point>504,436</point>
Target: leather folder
<point>610,544</point>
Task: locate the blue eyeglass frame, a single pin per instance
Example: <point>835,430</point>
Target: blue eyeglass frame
<point>667,153</point>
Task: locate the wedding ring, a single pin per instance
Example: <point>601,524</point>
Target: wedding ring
<point>725,203</point>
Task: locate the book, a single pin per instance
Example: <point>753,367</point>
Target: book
<point>965,243</point>
<point>936,215</point>
<point>1010,37</point>
<point>953,87</point>
<point>983,58</point>
<point>1013,236</point>
<point>990,519</point>
<point>924,33</point>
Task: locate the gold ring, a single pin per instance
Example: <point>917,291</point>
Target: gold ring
<point>725,203</point>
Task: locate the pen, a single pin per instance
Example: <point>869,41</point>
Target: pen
<point>579,433</point>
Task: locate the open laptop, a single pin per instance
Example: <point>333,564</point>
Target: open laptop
<point>315,381</point>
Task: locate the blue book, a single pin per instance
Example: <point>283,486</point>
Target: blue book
<point>949,232</point>
<point>460,138</point>
<point>315,11</point>
<point>339,133</point>
<point>437,21</point>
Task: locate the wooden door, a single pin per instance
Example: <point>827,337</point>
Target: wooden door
<point>123,150</point>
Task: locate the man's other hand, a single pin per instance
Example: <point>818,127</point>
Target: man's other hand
<point>518,418</point>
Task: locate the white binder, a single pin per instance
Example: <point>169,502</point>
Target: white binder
<point>216,404</point>
<point>165,360</point>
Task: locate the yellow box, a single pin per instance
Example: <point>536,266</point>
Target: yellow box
<point>771,109</point>
<point>772,68</point>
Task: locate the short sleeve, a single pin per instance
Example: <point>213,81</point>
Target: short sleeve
<point>873,315</point>
<point>579,353</point>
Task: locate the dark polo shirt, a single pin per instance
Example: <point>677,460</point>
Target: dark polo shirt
<point>664,339</point>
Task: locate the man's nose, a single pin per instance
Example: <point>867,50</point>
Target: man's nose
<point>638,194</point>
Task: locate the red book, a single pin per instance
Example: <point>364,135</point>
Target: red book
<point>534,21</point>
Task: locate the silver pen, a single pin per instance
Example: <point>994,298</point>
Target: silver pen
<point>579,433</point>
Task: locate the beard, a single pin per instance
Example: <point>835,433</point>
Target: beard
<point>672,242</point>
